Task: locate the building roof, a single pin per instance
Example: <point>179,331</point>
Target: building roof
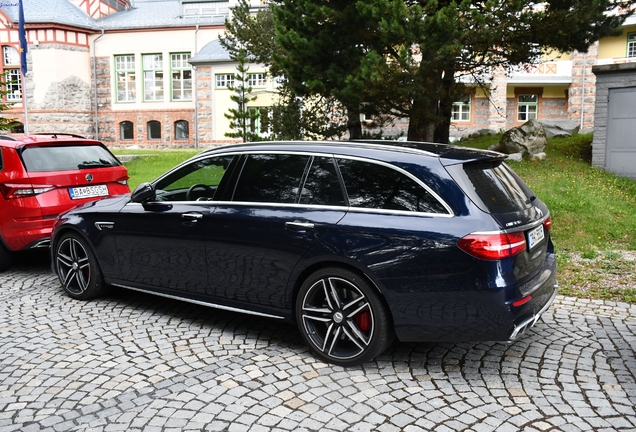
<point>49,12</point>
<point>147,14</point>
<point>212,52</point>
<point>144,14</point>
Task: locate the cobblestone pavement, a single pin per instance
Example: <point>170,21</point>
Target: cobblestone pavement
<point>131,362</point>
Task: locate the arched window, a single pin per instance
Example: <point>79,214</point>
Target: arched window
<point>12,79</point>
<point>154,130</point>
<point>181,130</point>
<point>126,130</point>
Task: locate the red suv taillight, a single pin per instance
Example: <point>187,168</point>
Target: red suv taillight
<point>14,190</point>
<point>493,246</point>
<point>123,180</point>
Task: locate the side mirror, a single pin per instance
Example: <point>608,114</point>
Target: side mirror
<point>142,193</point>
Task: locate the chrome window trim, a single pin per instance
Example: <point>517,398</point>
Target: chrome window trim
<point>317,154</point>
<point>199,302</point>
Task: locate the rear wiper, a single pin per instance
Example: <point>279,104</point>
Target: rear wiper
<point>94,164</point>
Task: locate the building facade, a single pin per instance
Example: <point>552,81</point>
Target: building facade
<point>152,73</point>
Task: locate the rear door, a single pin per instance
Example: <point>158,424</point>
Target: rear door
<point>282,205</point>
<point>76,172</point>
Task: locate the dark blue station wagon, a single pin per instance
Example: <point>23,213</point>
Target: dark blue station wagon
<point>355,242</point>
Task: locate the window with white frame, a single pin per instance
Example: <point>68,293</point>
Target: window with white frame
<point>206,8</point>
<point>257,80</point>
<point>126,82</point>
<point>11,70</point>
<point>631,45</point>
<point>181,72</point>
<point>153,77</point>
<point>527,107</point>
<point>224,80</point>
<point>461,109</point>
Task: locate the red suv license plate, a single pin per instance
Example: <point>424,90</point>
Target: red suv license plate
<point>88,191</point>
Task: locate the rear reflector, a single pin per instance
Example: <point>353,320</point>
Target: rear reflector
<point>13,191</point>
<point>547,223</point>
<point>493,246</point>
<point>522,301</point>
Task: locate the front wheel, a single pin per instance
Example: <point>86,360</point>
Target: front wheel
<point>342,318</point>
<point>77,268</point>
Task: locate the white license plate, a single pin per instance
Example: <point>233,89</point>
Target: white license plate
<point>88,191</point>
<point>535,236</point>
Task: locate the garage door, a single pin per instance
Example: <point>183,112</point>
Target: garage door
<point>621,132</point>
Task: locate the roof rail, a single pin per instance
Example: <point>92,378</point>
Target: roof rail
<point>7,137</point>
<point>55,134</point>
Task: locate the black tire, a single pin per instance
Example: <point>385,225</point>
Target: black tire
<point>77,268</point>
<point>342,318</point>
<point>6,258</point>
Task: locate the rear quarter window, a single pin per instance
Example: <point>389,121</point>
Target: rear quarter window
<point>375,186</point>
<point>67,158</point>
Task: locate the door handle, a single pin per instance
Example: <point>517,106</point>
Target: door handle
<point>195,216</point>
<point>299,225</point>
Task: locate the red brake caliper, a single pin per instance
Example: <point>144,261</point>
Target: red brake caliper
<point>363,321</point>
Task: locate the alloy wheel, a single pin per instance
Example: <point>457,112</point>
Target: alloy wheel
<point>337,318</point>
<point>73,265</point>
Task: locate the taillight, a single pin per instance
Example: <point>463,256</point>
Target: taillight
<point>123,180</point>
<point>493,246</point>
<point>13,190</point>
<point>547,223</point>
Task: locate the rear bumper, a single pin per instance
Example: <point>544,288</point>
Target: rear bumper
<point>520,328</point>
<point>22,234</point>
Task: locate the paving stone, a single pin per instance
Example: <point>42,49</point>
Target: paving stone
<point>133,362</point>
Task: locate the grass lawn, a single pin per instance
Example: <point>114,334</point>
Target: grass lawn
<point>593,218</point>
<point>593,212</point>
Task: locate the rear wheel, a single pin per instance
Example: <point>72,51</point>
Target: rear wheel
<point>6,258</point>
<point>342,318</point>
<point>77,268</point>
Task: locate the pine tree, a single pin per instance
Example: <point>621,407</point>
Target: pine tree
<point>242,119</point>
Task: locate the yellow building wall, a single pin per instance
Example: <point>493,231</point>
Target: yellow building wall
<point>615,46</point>
<point>222,102</point>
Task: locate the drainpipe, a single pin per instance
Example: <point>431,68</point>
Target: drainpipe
<point>583,88</point>
<point>196,92</point>
<point>95,83</point>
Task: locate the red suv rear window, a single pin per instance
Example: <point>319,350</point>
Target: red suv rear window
<point>67,158</point>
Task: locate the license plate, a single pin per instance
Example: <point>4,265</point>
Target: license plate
<point>535,236</point>
<point>88,191</point>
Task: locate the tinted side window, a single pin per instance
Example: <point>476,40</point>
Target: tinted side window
<point>272,178</point>
<point>198,180</point>
<point>322,186</point>
<point>370,185</point>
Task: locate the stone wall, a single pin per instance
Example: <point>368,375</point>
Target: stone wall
<point>582,92</point>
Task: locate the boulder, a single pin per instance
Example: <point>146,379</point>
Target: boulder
<point>560,128</point>
<point>528,140</point>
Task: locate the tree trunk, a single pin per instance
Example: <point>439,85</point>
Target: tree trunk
<point>353,122</point>
<point>445,107</point>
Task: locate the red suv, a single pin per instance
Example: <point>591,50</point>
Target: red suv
<point>42,176</point>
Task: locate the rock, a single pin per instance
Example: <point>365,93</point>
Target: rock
<point>529,139</point>
<point>515,157</point>
<point>560,128</point>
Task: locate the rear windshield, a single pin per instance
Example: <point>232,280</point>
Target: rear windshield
<point>493,187</point>
<point>68,157</point>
